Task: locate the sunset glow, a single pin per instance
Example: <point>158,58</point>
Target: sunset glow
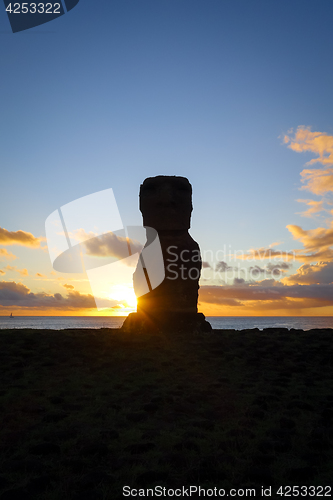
<point>213,93</point>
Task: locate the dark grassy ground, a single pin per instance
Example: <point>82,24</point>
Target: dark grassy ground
<point>85,412</point>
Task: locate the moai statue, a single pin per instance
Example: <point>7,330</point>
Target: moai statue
<point>166,206</point>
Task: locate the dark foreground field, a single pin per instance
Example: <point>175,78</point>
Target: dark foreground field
<point>86,412</point>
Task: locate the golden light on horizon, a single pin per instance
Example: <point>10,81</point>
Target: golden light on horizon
<point>124,293</point>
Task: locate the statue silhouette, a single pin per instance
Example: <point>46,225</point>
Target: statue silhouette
<point>166,206</point>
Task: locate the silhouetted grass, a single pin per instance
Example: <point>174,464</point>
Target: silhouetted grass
<point>85,412</point>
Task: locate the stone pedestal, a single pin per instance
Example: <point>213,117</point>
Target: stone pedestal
<point>166,206</point>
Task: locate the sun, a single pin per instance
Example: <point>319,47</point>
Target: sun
<point>124,293</point>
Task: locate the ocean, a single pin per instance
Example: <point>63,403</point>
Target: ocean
<point>217,322</point>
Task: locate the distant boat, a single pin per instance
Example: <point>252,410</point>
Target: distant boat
<point>11,316</point>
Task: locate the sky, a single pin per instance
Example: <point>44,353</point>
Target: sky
<point>235,95</point>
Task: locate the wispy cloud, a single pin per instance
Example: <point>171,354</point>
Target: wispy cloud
<point>317,242</point>
<point>318,182</point>
<point>5,255</point>
<point>319,143</point>
<point>14,269</point>
<point>314,208</point>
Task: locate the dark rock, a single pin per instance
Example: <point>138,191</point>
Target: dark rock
<point>261,475</point>
<point>287,423</point>
<point>110,433</point>
<point>204,424</point>
<point>177,459</point>
<point>29,464</point>
<point>151,407</point>
<point>17,494</point>
<point>302,473</point>
<point>136,416</point>
<point>186,446</point>
<point>75,465</point>
<point>139,448</point>
<point>99,449</point>
<point>55,416</point>
<point>40,484</point>
<point>93,478</point>
<point>150,477</point>
<point>319,444</point>
<point>56,400</point>
<point>44,449</point>
<point>4,482</point>
<point>302,405</point>
<point>263,459</point>
<point>90,494</point>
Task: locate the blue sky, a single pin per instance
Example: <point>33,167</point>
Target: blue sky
<point>114,92</point>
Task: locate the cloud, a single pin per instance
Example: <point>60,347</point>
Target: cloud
<point>222,267</point>
<point>22,272</point>
<point>19,238</point>
<point>239,281</point>
<point>309,274</point>
<point>205,264</point>
<point>69,287</point>
<point>267,290</point>
<point>314,240</point>
<point>278,268</point>
<point>315,207</point>
<point>17,294</point>
<point>2,272</point>
<point>319,143</point>
<point>318,182</point>
<point>4,254</point>
<point>111,245</point>
<point>272,268</point>
<point>39,275</point>
<point>256,271</point>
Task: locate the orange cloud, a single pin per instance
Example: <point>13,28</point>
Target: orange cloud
<point>318,143</point>
<point>69,287</point>
<point>309,274</point>
<point>2,272</point>
<point>39,275</point>
<point>318,182</point>
<point>266,297</point>
<point>19,238</point>
<point>6,255</point>
<point>22,272</point>
<point>313,239</point>
<point>315,207</point>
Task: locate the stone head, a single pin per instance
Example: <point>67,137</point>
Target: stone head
<point>166,203</point>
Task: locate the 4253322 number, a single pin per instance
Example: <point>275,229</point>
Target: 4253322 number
<point>34,8</point>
